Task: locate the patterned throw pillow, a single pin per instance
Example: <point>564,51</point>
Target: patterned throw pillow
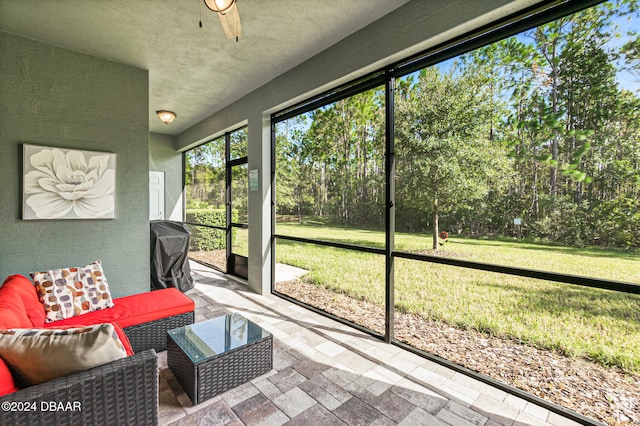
<point>42,354</point>
<point>69,292</point>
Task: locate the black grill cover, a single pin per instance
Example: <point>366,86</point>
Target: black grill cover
<point>169,256</point>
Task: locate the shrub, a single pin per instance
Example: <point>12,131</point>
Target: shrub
<point>618,223</point>
<point>568,225</point>
<point>203,238</point>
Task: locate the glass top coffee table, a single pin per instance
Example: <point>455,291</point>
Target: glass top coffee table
<point>211,357</point>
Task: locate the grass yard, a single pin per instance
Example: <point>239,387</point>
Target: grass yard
<point>600,325</point>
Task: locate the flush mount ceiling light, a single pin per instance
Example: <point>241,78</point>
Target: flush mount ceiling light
<point>227,10</point>
<point>166,116</point>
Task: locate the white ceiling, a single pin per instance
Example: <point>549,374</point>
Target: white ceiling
<point>193,71</point>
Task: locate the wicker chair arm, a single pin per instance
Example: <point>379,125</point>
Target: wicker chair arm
<point>122,392</point>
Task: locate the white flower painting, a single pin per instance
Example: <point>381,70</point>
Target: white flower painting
<point>68,184</point>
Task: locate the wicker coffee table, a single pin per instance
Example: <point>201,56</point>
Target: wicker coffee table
<point>213,356</point>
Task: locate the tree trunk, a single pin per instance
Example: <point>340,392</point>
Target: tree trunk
<point>434,222</point>
<point>534,193</point>
<point>553,178</point>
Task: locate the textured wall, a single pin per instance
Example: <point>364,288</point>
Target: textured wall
<point>56,97</point>
<point>164,158</point>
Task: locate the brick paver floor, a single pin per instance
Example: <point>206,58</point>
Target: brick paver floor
<point>326,373</point>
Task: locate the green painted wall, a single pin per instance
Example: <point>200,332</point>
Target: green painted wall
<point>56,97</point>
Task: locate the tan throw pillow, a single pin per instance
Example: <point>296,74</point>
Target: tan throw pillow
<point>73,291</point>
<point>39,355</point>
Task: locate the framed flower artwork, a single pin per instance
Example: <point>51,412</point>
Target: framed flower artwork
<point>67,184</point>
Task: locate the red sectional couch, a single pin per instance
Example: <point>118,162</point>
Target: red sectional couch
<point>126,388</point>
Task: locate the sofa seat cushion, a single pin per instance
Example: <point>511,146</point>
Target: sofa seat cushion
<point>20,287</point>
<point>136,309</point>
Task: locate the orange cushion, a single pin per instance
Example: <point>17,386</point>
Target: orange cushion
<point>135,309</point>
<point>7,384</point>
<point>12,311</point>
<point>26,290</point>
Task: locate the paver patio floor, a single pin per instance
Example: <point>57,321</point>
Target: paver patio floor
<point>326,373</point>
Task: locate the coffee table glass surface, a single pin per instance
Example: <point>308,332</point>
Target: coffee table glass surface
<point>212,338</point>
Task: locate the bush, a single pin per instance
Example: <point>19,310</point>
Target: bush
<point>568,225</point>
<point>618,223</point>
<point>613,223</point>
<point>203,238</point>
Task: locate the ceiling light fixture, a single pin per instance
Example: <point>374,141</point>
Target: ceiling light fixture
<point>227,10</point>
<point>166,116</point>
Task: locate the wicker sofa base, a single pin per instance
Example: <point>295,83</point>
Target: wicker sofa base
<point>212,377</point>
<point>122,392</point>
<point>153,334</point>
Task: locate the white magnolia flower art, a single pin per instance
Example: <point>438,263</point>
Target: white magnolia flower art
<point>68,184</point>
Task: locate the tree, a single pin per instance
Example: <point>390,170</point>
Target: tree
<point>205,174</point>
<point>543,126</point>
<point>343,152</point>
<point>291,189</point>
<point>569,116</point>
<point>445,154</point>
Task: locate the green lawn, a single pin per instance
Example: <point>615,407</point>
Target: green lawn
<point>601,325</point>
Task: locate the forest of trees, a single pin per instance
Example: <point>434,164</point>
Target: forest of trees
<point>543,126</point>
<point>205,174</point>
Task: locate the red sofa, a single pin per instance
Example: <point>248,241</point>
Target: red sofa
<point>141,321</point>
